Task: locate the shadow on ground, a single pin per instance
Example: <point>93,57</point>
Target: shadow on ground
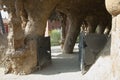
<point>61,63</point>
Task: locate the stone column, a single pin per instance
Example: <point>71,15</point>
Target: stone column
<point>22,58</point>
<point>73,32</point>
<point>63,26</point>
<point>113,6</point>
<point>92,23</point>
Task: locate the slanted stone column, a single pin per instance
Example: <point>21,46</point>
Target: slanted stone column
<point>63,26</point>
<point>113,6</point>
<point>72,33</point>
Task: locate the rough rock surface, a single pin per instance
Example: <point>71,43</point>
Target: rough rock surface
<point>3,47</point>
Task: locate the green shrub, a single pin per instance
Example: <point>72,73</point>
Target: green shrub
<point>55,37</point>
<point>77,41</point>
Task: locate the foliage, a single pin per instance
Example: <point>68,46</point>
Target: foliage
<point>77,41</point>
<point>55,37</point>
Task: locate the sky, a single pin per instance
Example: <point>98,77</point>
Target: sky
<point>4,14</point>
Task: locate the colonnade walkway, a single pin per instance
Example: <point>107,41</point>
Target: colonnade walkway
<point>63,67</point>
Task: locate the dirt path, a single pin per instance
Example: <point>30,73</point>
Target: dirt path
<point>63,67</point>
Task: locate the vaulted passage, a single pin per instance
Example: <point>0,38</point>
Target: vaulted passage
<point>25,43</point>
